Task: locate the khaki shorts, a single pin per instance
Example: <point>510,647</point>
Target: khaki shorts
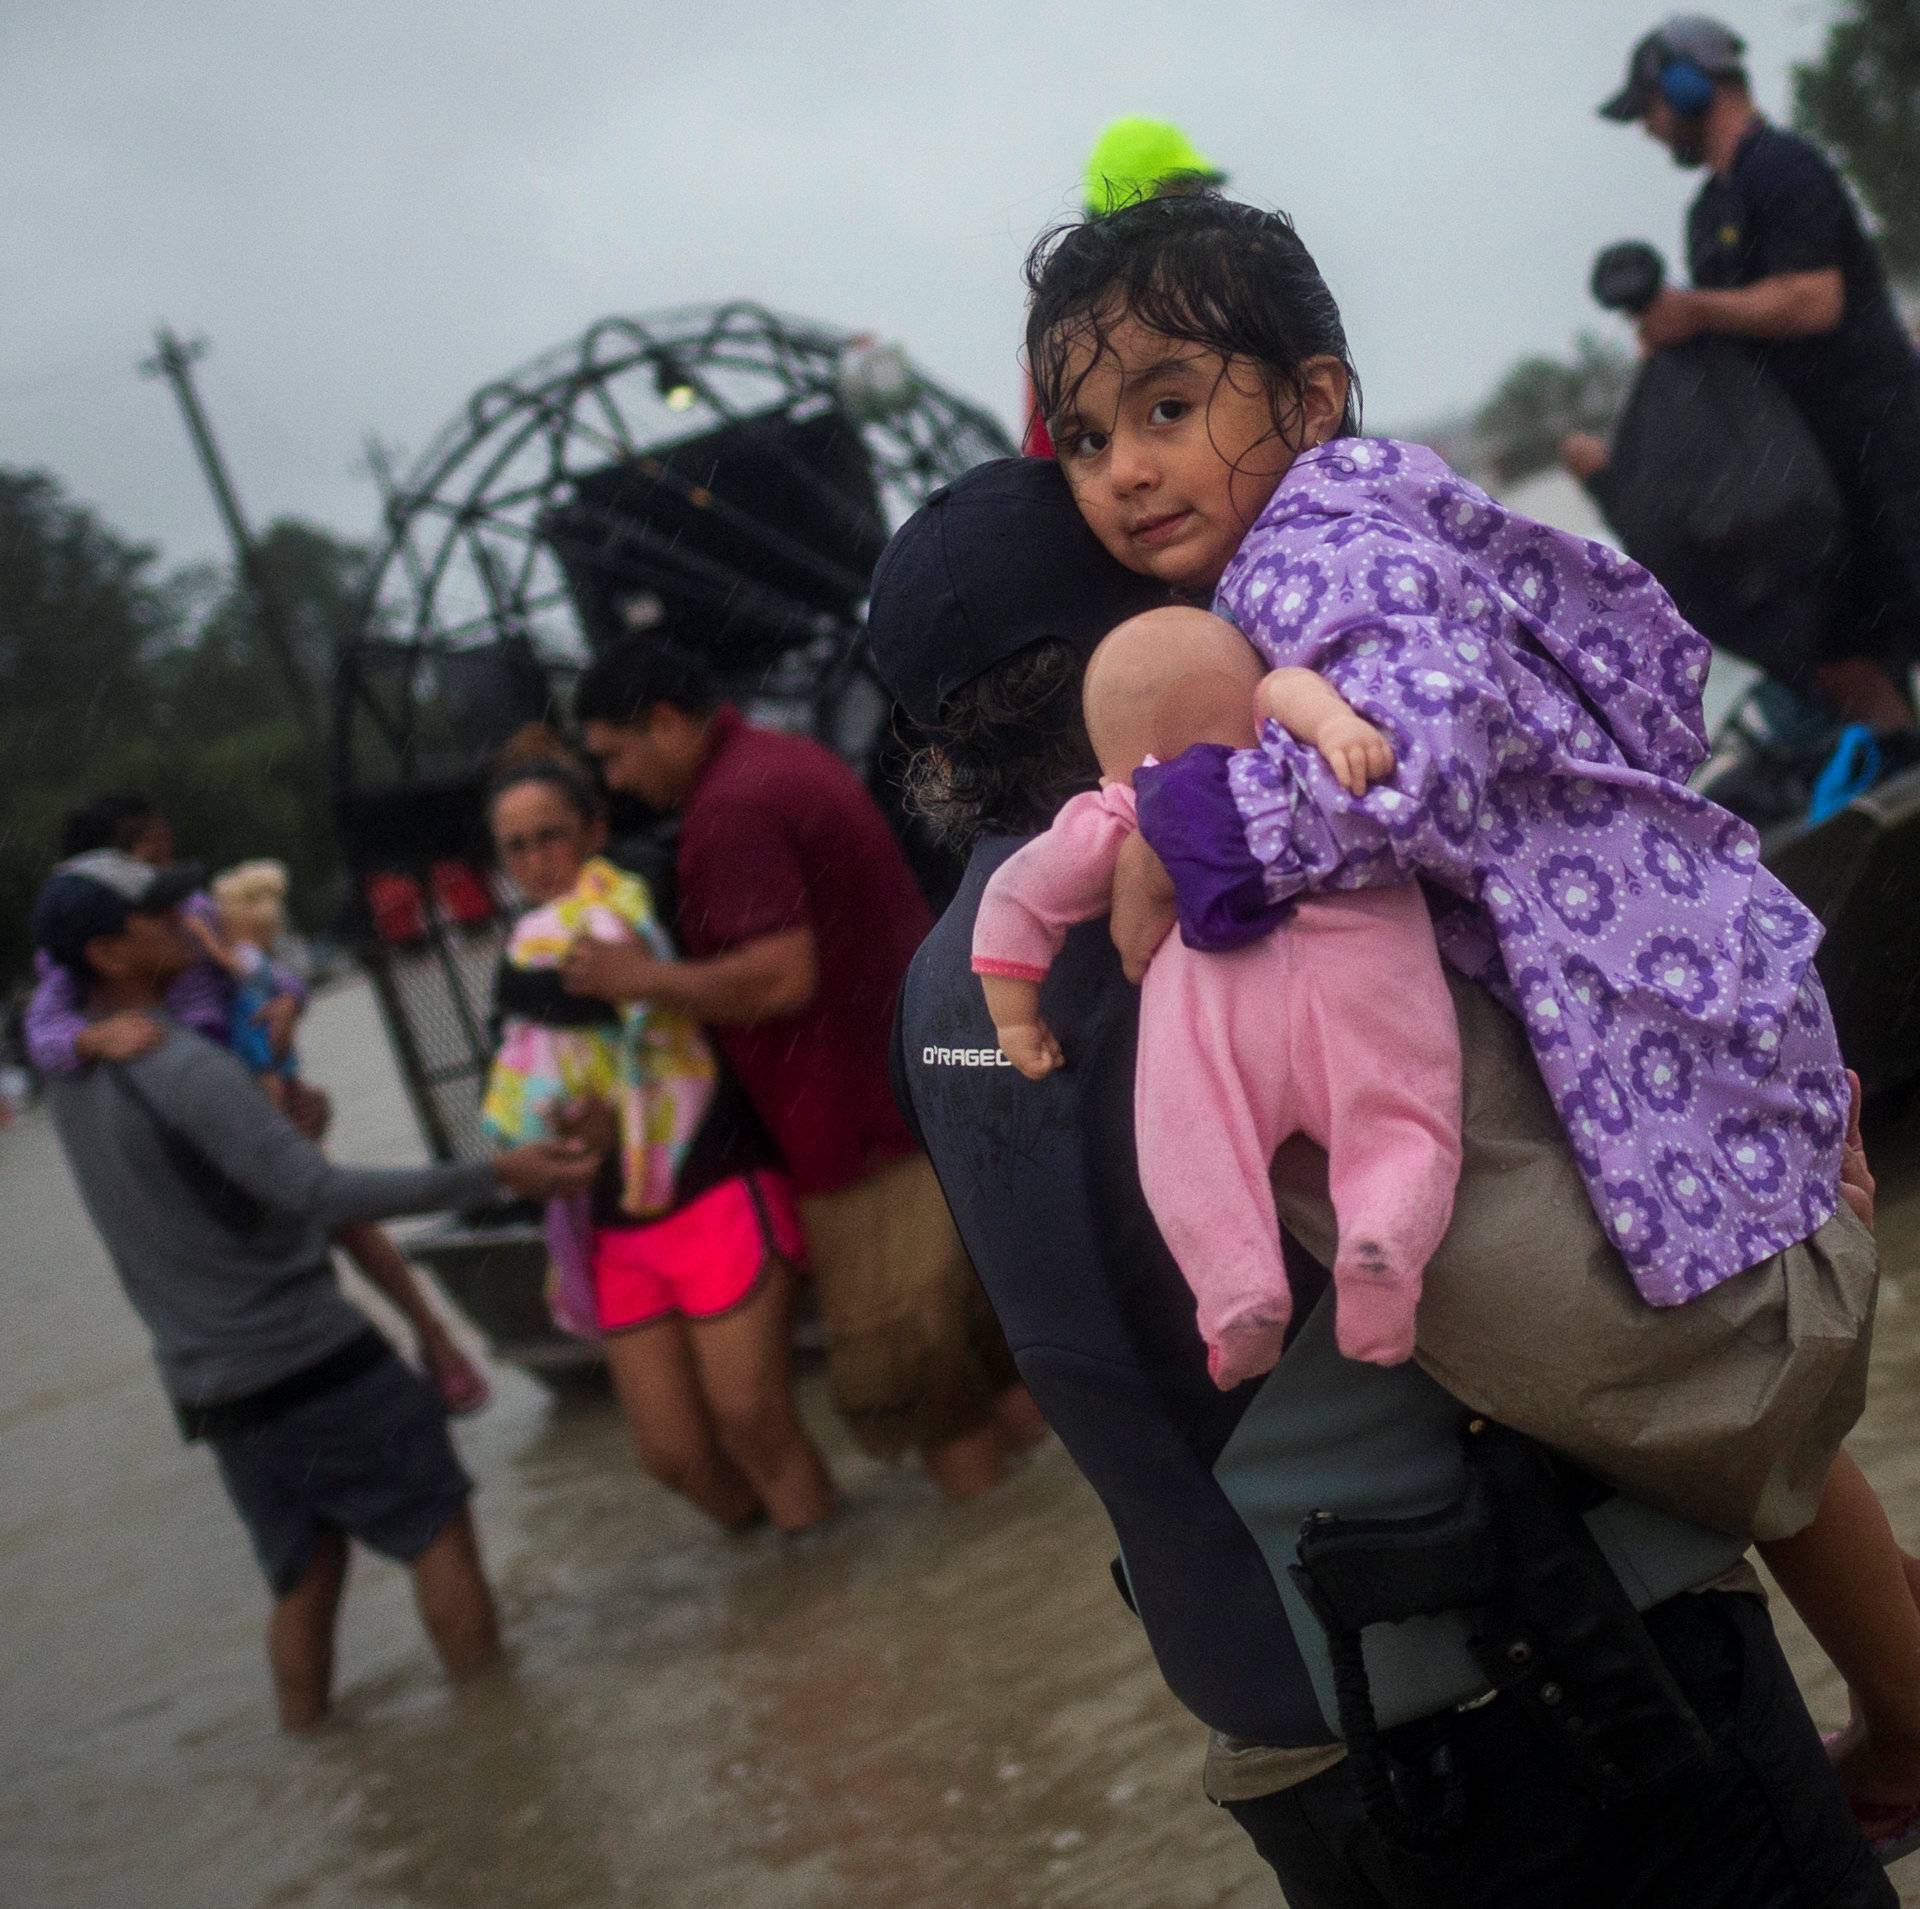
<point>915,1356</point>
<point>1727,1410</point>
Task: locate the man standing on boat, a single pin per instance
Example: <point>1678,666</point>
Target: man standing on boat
<point>1779,259</point>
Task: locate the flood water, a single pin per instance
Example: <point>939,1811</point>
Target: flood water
<point>926,1706</point>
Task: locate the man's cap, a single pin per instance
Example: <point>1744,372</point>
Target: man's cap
<point>1133,158</point>
<point>992,563</point>
<point>1715,49</point>
<point>92,895</point>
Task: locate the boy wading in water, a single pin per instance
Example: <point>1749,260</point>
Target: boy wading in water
<point>217,1214</point>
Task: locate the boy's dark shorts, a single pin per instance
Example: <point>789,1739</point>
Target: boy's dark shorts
<point>370,1458</point>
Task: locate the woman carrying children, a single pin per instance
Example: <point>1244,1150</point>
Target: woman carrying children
<point>1540,701</point>
<point>688,1246</point>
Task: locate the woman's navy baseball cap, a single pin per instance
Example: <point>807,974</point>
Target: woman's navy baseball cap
<point>91,896</point>
<point>994,562</point>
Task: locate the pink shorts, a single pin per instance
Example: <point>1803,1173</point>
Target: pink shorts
<point>699,1262</point>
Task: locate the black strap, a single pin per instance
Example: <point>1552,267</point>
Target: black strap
<point>1354,1572</point>
<point>1561,1637</point>
<point>539,995</point>
<point>1548,1622</point>
<point>221,1197</point>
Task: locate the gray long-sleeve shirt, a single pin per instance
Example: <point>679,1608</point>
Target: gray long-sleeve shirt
<point>229,1313</point>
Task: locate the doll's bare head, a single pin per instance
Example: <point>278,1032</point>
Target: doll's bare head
<point>251,900</point>
<point>1163,681</point>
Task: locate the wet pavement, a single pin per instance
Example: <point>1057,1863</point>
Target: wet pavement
<point>927,1706</point>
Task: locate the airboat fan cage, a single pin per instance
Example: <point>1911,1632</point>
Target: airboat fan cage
<point>720,474</point>
<point>468,563</point>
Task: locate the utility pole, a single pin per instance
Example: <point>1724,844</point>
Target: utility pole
<point>174,361</point>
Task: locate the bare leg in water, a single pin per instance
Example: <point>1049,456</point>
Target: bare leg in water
<point>674,1436</point>
<point>300,1636</point>
<point>1859,1595</point>
<point>744,1358</point>
<point>454,1599</point>
<point>1862,691</point>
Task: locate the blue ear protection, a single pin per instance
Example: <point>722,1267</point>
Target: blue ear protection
<point>1686,87</point>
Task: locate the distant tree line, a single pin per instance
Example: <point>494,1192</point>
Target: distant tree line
<point>1861,101</point>
<point>117,674</point>
<point>1518,430</point>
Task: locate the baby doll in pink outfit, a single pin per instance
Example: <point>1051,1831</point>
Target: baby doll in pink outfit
<point>1338,1026</point>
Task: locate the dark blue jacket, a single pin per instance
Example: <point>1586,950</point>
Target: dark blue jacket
<point>1206,1490</point>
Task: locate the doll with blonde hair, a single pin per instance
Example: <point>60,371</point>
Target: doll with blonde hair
<point>250,902</point>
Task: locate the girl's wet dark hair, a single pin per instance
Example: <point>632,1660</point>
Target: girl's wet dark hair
<point>1196,267</point>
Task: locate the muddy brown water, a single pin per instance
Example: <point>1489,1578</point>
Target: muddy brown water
<point>927,1706</point>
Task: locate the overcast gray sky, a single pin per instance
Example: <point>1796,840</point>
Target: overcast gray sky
<point>371,206</point>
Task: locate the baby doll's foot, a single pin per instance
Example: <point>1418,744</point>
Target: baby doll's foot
<point>1372,1316</point>
<point>1245,1349</point>
<point>461,1384</point>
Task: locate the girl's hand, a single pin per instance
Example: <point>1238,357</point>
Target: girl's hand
<point>307,1107</point>
<point>1356,752</point>
<point>279,1017</point>
<point>124,1036</point>
<point>1313,712</point>
<point>1143,913</point>
<point>1856,1177</point>
<point>586,1119</point>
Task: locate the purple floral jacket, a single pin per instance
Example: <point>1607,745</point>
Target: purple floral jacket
<point>201,999</point>
<point>1543,698</point>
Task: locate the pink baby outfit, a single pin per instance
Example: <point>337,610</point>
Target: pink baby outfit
<point>1337,1025</point>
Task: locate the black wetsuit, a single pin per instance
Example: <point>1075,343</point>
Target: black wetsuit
<point>1206,1493</point>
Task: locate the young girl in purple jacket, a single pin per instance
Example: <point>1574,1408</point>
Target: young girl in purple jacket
<point>1541,697</point>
